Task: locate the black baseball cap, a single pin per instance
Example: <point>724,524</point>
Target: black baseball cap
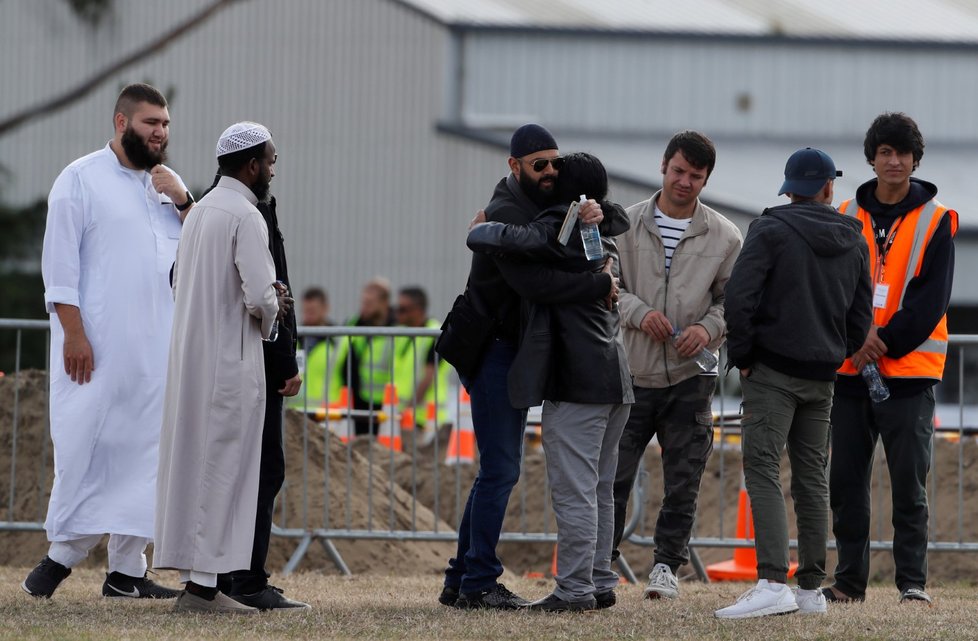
<point>807,171</point>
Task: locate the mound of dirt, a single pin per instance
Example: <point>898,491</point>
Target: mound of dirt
<point>363,486</point>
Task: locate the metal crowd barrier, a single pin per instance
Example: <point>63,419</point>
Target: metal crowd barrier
<point>352,488</point>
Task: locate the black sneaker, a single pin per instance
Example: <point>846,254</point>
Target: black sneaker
<point>270,598</point>
<point>495,598</point>
<point>448,596</point>
<point>605,599</point>
<point>553,603</point>
<point>118,584</point>
<point>912,594</point>
<point>45,578</point>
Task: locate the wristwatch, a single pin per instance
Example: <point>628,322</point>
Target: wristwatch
<point>185,206</point>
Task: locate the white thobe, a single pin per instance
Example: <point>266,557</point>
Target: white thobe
<point>210,446</point>
<point>108,246</point>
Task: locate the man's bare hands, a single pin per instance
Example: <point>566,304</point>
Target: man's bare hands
<point>292,386</point>
<point>656,325</point>
<point>590,212</point>
<point>612,298</point>
<point>872,350</point>
<point>166,183</point>
<point>480,217</point>
<point>79,358</point>
<point>285,301</point>
<point>692,340</point>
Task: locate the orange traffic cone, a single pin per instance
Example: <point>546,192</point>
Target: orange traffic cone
<point>336,415</point>
<point>407,419</point>
<point>389,433</point>
<point>743,566</point>
<point>461,444</point>
<point>553,563</point>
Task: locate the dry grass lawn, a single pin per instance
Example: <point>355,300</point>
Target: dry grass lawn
<point>406,608</point>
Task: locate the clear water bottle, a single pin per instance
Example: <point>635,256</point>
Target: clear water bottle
<point>279,286</point>
<point>878,391</point>
<point>706,359</point>
<point>591,238</point>
<point>273,335</point>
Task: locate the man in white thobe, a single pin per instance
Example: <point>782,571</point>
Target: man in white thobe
<point>113,222</point>
<point>210,446</point>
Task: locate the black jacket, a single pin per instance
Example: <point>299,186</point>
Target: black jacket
<point>280,363</point>
<point>496,285</point>
<point>927,295</point>
<point>568,352</point>
<point>799,298</point>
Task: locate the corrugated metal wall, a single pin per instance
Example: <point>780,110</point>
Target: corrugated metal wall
<point>635,85</point>
<point>351,89</point>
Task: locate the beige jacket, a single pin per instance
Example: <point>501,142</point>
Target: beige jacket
<point>691,294</point>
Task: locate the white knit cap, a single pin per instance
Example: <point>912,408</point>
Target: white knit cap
<point>241,135</point>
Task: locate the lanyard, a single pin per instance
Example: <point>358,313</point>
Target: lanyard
<point>887,245</point>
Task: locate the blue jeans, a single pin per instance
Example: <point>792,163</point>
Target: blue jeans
<point>499,435</point>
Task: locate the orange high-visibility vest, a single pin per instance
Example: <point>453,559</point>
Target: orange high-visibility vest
<point>907,243</point>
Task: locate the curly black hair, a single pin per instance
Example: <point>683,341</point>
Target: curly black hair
<point>897,130</point>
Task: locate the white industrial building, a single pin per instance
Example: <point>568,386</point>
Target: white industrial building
<point>392,116</point>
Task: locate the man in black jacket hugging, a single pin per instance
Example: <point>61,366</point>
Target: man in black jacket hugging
<point>572,355</point>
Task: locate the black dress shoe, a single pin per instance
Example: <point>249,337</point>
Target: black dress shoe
<point>495,598</point>
<point>830,595</point>
<point>448,596</point>
<point>605,599</point>
<point>269,598</point>
<point>118,584</point>
<point>553,603</point>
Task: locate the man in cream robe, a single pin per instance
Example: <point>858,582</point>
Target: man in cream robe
<point>210,443</point>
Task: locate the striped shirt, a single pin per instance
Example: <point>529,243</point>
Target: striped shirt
<point>672,230</point>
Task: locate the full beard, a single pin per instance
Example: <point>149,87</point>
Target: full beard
<point>540,197</point>
<point>261,188</point>
<point>139,153</point>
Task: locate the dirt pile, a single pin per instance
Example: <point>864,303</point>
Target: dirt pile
<point>365,487</point>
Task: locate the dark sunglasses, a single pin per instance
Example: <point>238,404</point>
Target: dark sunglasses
<point>541,163</point>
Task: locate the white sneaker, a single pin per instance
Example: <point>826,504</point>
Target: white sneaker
<point>761,600</point>
<point>810,601</point>
<point>663,584</point>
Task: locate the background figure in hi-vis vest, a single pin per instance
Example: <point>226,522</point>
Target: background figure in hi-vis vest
<point>911,252</point>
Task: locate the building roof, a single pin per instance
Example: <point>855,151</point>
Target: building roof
<point>901,20</point>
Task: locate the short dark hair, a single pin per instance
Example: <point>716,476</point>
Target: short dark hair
<point>416,295</point>
<point>582,173</point>
<point>897,130</point>
<point>135,94</point>
<point>316,293</point>
<point>232,163</point>
<point>697,149</point>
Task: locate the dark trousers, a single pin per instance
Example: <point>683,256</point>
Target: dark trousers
<point>499,435</point>
<point>785,412</point>
<point>906,427</point>
<point>681,418</point>
<point>271,476</point>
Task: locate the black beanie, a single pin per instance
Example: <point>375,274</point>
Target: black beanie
<point>530,139</point>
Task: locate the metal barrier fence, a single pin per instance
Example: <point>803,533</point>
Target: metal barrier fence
<point>345,487</point>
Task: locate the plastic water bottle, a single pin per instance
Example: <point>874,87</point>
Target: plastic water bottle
<point>273,334</point>
<point>706,359</point>
<point>591,238</point>
<point>878,391</point>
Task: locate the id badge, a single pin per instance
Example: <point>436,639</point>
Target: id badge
<point>880,293</point>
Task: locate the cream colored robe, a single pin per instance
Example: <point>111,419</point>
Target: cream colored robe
<point>210,444</point>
